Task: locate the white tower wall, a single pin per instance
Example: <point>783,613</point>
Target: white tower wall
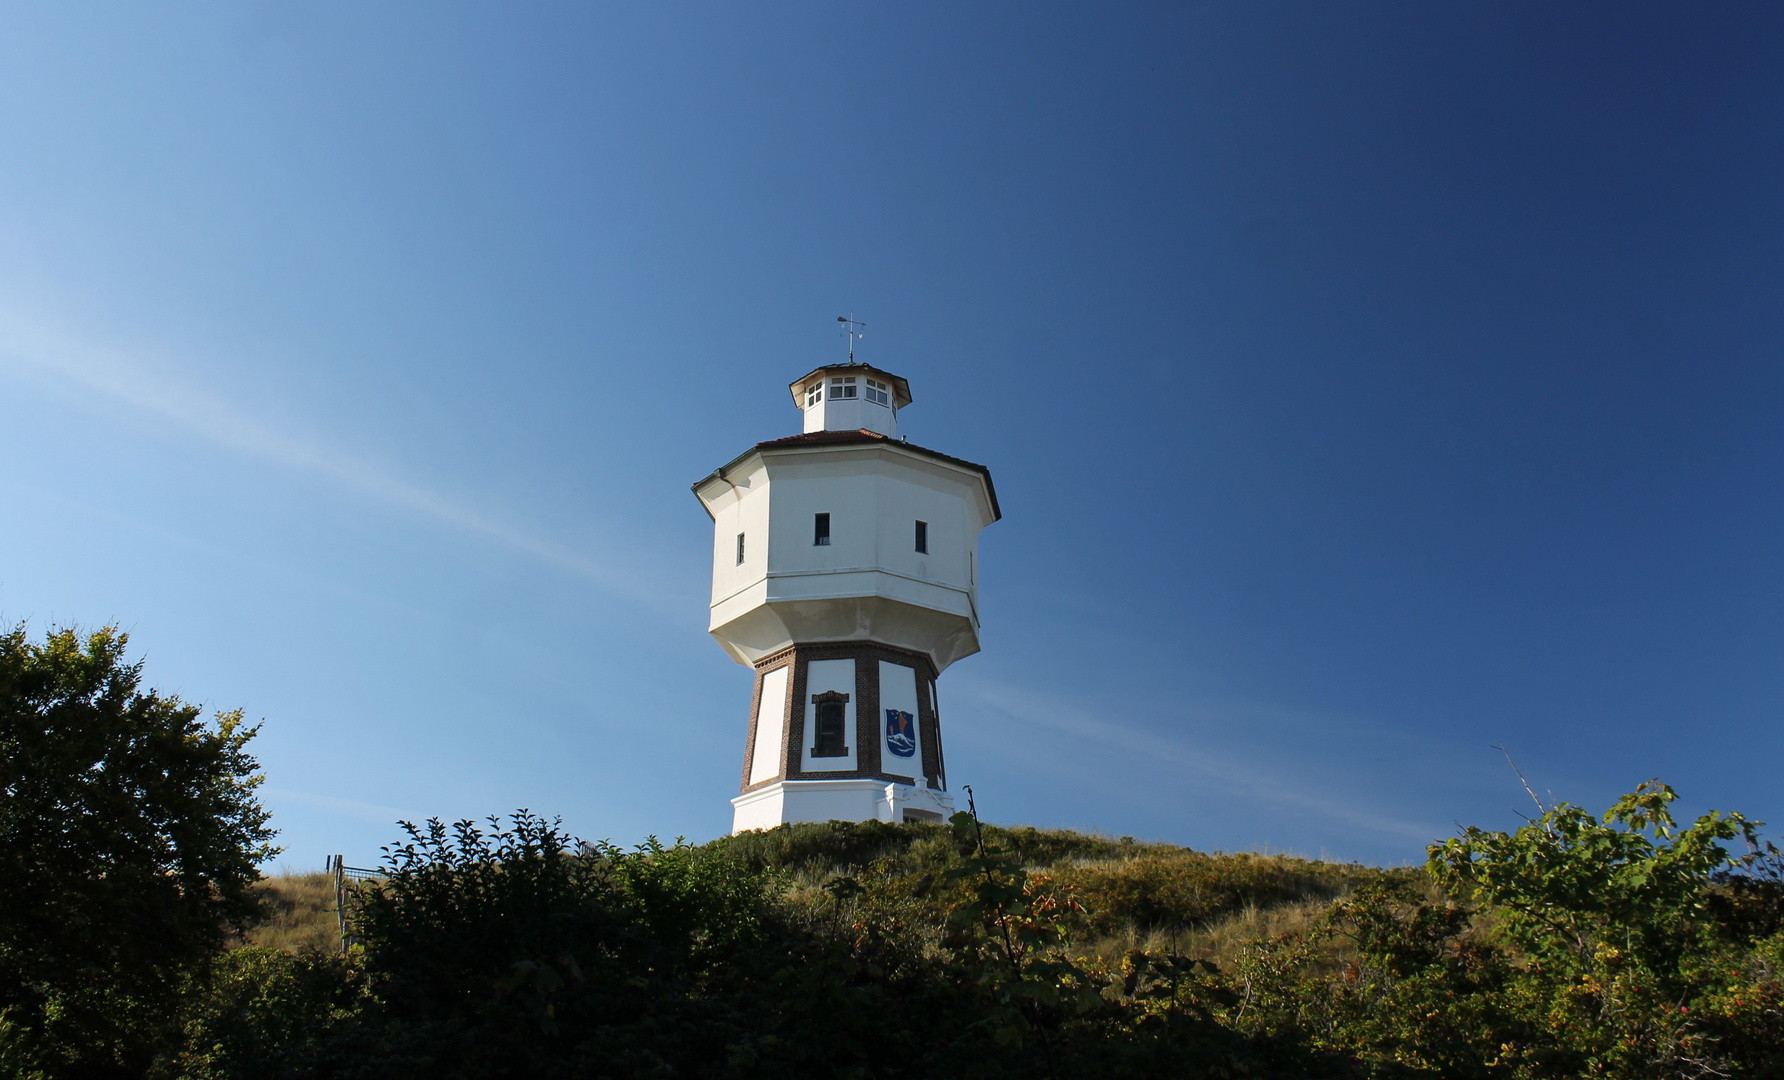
<point>765,762</point>
<point>872,582</point>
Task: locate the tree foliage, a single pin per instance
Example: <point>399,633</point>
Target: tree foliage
<point>129,837</point>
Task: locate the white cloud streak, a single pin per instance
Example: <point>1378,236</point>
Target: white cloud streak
<point>134,382</point>
<point>350,808</point>
<point>1082,727</point>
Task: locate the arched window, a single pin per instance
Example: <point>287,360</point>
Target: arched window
<point>830,740</point>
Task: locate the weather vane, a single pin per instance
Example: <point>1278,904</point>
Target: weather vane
<point>855,329</point>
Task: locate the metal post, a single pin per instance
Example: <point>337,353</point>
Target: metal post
<point>340,876</point>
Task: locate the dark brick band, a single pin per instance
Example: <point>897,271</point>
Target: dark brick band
<point>868,738</point>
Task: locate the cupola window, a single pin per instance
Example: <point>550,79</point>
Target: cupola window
<point>814,393</point>
<point>843,387</point>
<point>829,740</point>
<point>876,392</point>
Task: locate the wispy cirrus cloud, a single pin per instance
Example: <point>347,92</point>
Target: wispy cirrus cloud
<point>375,813</point>
<point>48,356</point>
<point>1029,710</point>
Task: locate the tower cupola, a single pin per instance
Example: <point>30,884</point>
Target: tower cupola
<point>851,397</point>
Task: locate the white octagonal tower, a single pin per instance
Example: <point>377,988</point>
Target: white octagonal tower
<point>845,574</point>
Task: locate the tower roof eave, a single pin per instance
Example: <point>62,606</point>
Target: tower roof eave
<point>862,437</point>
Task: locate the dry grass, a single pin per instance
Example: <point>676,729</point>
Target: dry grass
<point>1129,895</point>
<point>300,914</point>
<point>1221,940</point>
<point>1225,940</point>
<point>1187,888</point>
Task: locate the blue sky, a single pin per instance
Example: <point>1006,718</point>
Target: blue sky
<point>1365,385</point>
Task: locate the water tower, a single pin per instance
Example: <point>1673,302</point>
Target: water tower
<point>845,575</point>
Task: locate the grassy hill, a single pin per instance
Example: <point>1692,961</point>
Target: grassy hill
<point>300,914</point>
<point>1624,947</point>
<point>1132,895</point>
<point>1127,894</point>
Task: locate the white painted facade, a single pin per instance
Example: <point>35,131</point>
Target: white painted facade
<point>843,535</point>
<point>770,719</point>
<point>873,583</point>
<point>837,800</point>
<point>898,690</point>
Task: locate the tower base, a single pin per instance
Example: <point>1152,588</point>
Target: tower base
<point>837,800</point>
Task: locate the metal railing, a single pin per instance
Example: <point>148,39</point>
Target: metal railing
<point>343,875</point>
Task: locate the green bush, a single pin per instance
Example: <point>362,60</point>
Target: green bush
<point>1627,971</point>
<point>518,952</point>
<point>262,1014</point>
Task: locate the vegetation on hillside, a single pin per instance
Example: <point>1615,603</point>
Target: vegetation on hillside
<point>1628,945</point>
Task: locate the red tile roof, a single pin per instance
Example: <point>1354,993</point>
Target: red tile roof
<point>828,438</point>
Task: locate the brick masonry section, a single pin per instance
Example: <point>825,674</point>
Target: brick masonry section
<point>868,734</point>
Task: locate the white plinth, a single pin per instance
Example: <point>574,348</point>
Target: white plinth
<point>837,800</point>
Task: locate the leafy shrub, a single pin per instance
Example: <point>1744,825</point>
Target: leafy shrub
<point>262,1014</point>
<point>1592,950</point>
<point>508,952</point>
<point>1628,972</point>
<point>518,952</point>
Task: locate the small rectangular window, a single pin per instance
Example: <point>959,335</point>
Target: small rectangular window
<point>832,723</point>
<point>820,533</point>
<point>876,392</point>
<point>739,549</point>
<point>922,538</point>
<point>842,388</point>
<point>814,393</point>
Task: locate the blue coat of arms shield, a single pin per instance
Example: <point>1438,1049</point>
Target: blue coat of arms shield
<point>901,733</point>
